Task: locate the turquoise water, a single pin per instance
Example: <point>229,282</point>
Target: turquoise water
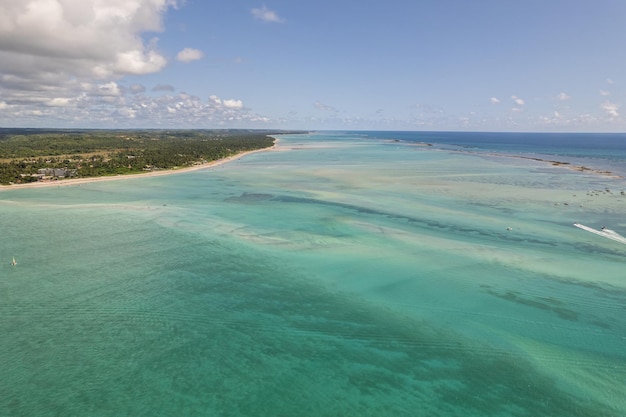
<point>332,276</point>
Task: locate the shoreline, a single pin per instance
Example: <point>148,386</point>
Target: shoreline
<point>75,181</point>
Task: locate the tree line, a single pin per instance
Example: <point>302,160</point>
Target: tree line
<point>93,153</point>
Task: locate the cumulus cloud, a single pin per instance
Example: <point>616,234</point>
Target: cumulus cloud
<point>70,55</point>
<point>63,63</point>
<point>494,100</point>
<point>266,15</point>
<point>80,37</point>
<point>189,54</point>
<point>611,109</point>
<point>111,104</point>
<point>605,93</point>
<point>518,101</point>
<point>233,104</point>
<point>111,89</point>
<point>215,100</point>
<point>60,102</point>
<point>563,97</point>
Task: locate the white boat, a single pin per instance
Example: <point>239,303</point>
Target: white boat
<point>13,262</point>
<point>604,232</point>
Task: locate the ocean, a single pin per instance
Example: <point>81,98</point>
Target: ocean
<point>340,274</point>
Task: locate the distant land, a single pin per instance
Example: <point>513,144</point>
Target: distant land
<point>38,155</point>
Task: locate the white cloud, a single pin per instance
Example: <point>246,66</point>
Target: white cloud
<point>266,15</point>
<point>563,97</point>
<point>494,100</point>
<point>518,101</point>
<point>611,109</point>
<point>62,62</point>
<point>609,81</point>
<point>189,54</point>
<point>128,112</point>
<point>233,104</point>
<point>605,93</point>
<point>230,104</point>
<point>107,103</point>
<point>215,100</point>
<point>69,54</point>
<point>136,62</point>
<point>109,89</point>
<point>80,37</point>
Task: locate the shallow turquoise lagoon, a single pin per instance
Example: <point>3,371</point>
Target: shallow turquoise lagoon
<point>330,276</point>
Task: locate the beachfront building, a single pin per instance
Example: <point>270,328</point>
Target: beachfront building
<point>56,172</point>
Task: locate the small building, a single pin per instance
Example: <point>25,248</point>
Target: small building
<point>56,172</point>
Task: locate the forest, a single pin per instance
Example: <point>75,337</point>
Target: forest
<point>29,155</point>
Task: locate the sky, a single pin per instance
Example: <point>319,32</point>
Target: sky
<point>481,65</point>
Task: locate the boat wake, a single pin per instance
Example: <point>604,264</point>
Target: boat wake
<point>604,232</point>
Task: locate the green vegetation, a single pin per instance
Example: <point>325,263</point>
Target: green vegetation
<point>28,155</point>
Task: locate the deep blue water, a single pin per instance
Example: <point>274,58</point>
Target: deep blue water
<point>597,148</point>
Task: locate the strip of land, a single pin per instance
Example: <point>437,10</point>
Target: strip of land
<point>37,157</point>
<point>76,181</point>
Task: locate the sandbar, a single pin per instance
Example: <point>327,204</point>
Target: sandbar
<point>562,164</point>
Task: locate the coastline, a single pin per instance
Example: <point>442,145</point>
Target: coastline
<point>75,181</point>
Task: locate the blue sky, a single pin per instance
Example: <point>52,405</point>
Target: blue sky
<point>550,65</point>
